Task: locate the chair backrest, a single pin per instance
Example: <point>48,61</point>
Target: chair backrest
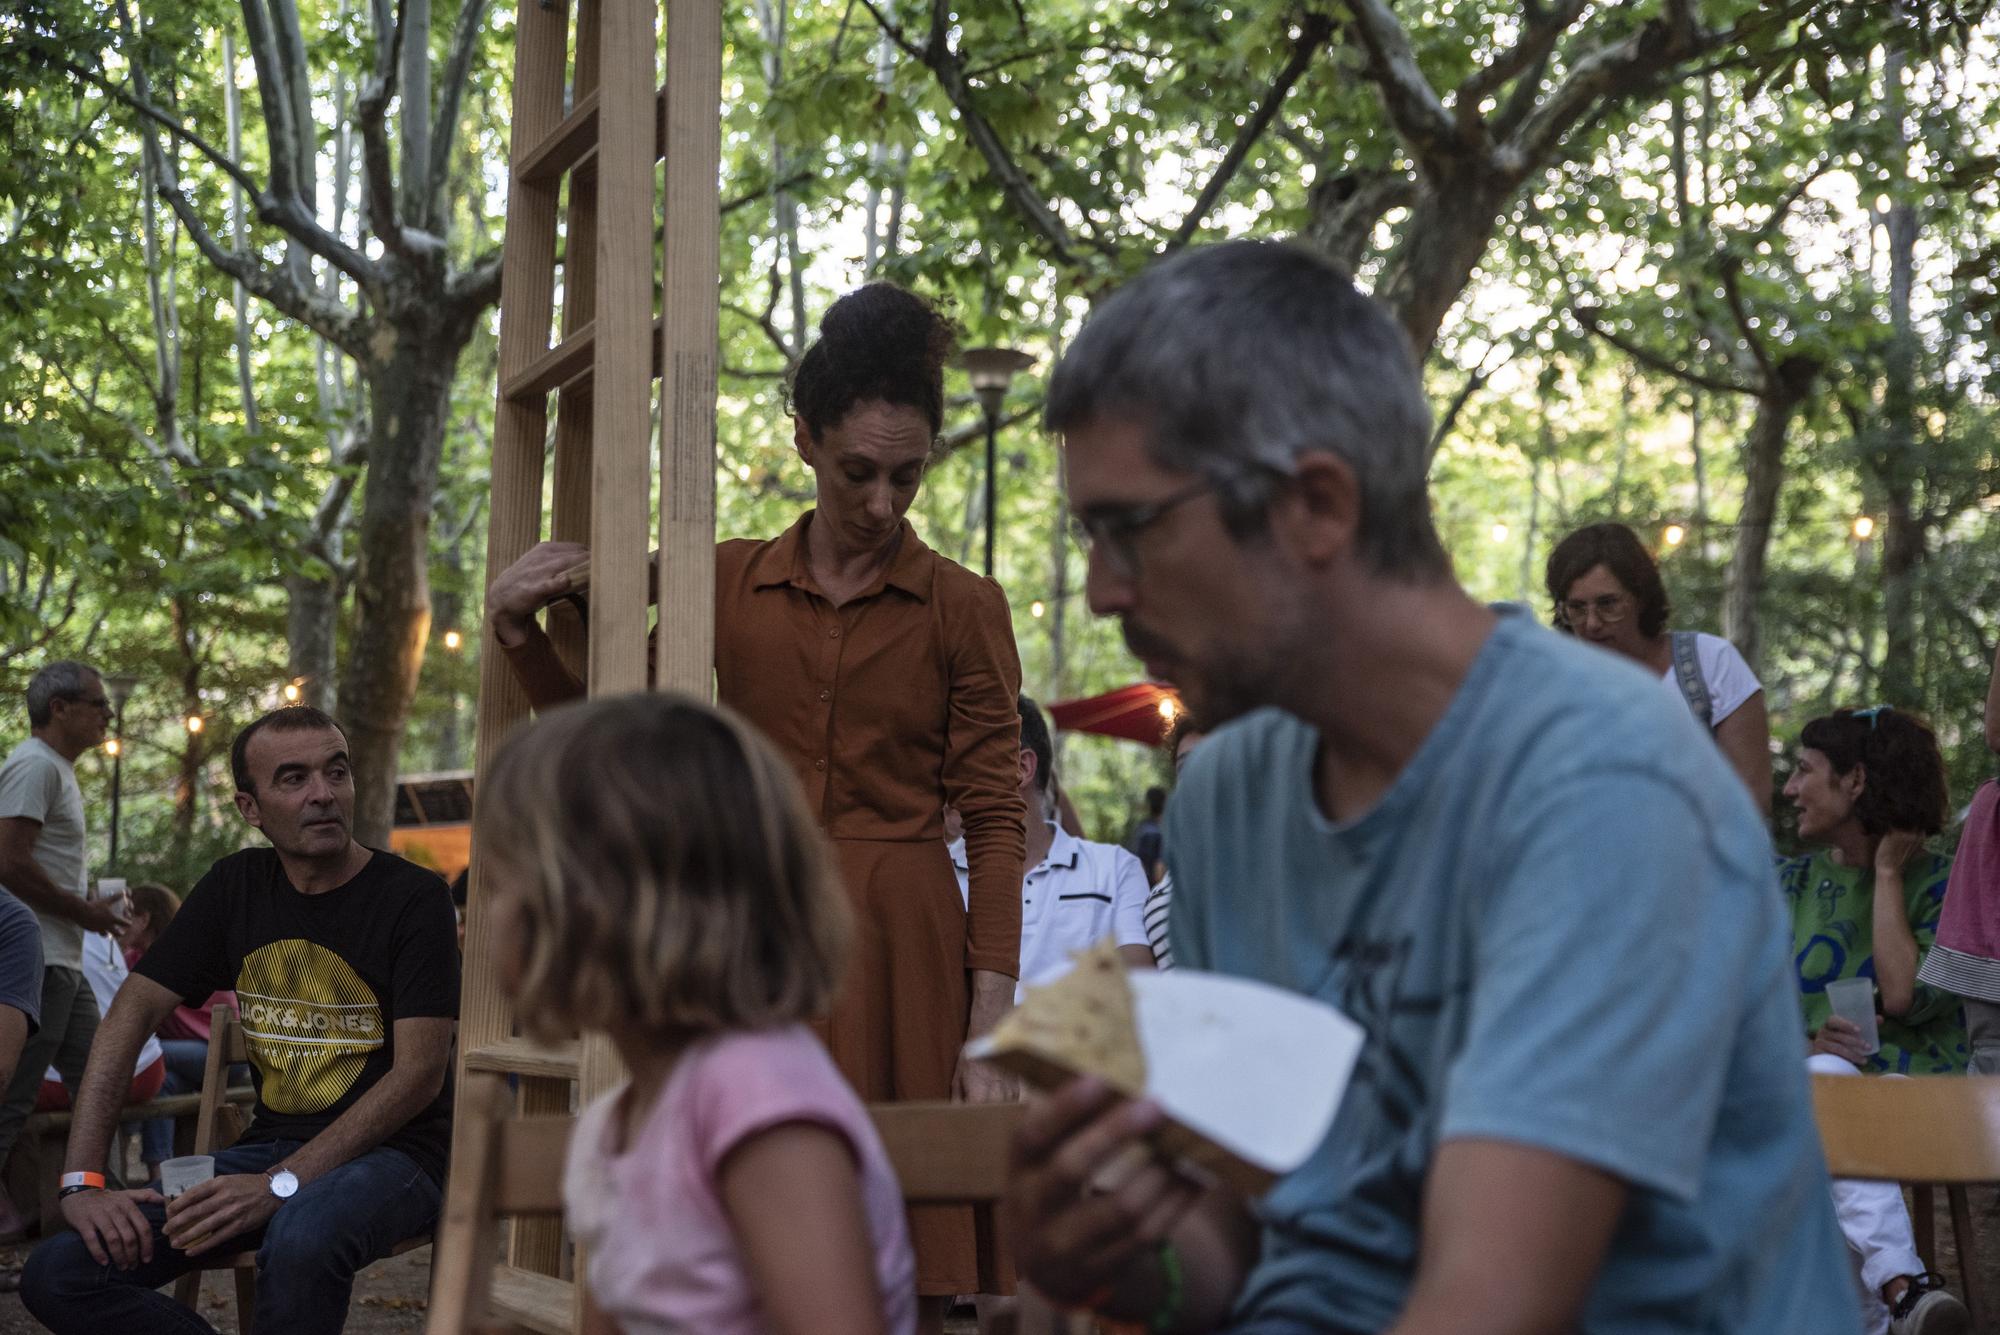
<point>500,1165</point>
<point>948,1153</point>
<point>943,1153</point>
<point>1932,1128</point>
<point>218,1122</point>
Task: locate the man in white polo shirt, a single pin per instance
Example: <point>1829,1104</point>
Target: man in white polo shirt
<point>1077,891</point>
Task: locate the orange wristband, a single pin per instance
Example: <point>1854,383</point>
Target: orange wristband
<point>82,1180</point>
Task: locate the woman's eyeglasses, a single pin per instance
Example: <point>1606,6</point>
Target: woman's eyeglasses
<point>1611,608</point>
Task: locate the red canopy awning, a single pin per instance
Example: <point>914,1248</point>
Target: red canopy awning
<point>1139,713</point>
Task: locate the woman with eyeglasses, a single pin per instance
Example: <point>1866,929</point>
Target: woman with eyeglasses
<point>1607,590</point>
<point>887,675</point>
<point>1869,788</point>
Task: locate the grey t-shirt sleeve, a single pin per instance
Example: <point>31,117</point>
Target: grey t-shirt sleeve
<point>30,786</point>
<point>1598,1003</point>
<point>20,960</point>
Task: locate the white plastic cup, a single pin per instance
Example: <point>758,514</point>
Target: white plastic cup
<point>1853,1000</point>
<point>110,887</point>
<point>190,1170</point>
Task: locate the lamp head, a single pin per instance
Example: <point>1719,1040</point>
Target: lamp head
<point>992,370</point>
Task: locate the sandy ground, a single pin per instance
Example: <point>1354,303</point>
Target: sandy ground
<point>390,1296</point>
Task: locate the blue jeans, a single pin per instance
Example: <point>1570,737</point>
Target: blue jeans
<point>307,1256</point>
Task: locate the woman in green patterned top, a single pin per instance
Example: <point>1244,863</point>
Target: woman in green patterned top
<point>1870,788</point>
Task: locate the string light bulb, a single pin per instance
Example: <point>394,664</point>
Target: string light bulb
<point>194,723</point>
<point>1037,609</point>
<point>1864,527</point>
<point>1169,707</point>
<point>111,747</point>
<point>1500,532</point>
<point>452,639</point>
<point>292,692</point>
<point>1675,535</point>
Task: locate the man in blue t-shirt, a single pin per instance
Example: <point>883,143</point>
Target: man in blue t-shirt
<point>1512,860</point>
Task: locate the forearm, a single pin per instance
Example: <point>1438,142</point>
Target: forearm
<point>995,851</point>
<point>532,657</point>
<point>992,997</point>
<point>1993,707</point>
<point>24,877</point>
<point>106,1078</point>
<point>1895,946</point>
<point>384,1110</point>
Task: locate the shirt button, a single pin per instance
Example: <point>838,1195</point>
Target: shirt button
<point>819,764</point>
<point>826,695</point>
<point>833,634</point>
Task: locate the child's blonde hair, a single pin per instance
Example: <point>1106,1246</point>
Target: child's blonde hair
<point>671,878</point>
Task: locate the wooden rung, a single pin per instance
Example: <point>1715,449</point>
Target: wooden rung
<point>539,1302</point>
<point>524,1056</point>
<point>565,362</point>
<point>564,147</point>
<point>572,147</point>
<point>568,362</point>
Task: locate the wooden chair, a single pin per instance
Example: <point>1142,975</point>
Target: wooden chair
<point>944,1154</point>
<point>220,1119</point>
<point>1921,1132</point>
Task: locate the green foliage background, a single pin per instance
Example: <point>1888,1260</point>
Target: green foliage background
<point>1116,115</point>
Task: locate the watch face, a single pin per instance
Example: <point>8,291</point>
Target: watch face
<point>284,1184</point>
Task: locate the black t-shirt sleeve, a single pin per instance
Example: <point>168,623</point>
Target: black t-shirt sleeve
<point>190,959</point>
<point>423,976</point>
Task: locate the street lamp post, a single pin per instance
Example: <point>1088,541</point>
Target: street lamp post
<point>992,370</point>
<point>119,687</point>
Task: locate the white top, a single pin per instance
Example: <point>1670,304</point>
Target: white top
<point>1076,896</point>
<point>38,784</point>
<point>1730,680</point>
<point>104,966</point>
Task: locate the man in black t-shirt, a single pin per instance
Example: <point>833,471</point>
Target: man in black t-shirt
<point>345,964</point>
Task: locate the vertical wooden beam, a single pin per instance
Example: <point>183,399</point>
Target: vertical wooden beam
<point>689,347</point>
<point>515,510</point>
<point>569,520</point>
<point>622,380</point>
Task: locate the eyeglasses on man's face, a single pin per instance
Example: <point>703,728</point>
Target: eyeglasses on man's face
<point>102,702</point>
<point>1611,608</point>
<point>1112,531</point>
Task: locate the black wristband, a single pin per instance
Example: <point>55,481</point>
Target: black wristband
<point>67,1192</point>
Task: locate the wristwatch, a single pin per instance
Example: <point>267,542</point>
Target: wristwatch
<point>284,1183</point>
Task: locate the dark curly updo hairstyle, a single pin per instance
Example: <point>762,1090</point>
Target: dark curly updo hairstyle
<point>1618,548</point>
<point>1906,787</point>
<point>881,343</point>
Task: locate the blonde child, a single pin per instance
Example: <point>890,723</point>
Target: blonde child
<point>656,877</point>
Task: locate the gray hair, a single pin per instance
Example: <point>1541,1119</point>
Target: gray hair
<point>1238,358</point>
<point>64,677</point>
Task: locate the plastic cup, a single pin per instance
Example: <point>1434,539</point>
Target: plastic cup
<point>1853,1000</point>
<point>191,1170</point>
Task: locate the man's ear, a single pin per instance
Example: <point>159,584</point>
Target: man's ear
<point>1322,517</point>
<point>246,804</point>
<point>1026,767</point>
<point>802,440</point>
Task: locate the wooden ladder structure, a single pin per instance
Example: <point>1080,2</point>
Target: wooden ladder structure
<point>591,123</point>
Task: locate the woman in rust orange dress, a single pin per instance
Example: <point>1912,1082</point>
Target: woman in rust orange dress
<point>888,674</point>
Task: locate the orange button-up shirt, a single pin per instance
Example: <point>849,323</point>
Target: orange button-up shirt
<point>890,706</point>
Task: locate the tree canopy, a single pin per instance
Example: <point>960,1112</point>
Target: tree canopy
<point>1721,269</point>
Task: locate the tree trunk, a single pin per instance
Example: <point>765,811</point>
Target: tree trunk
<point>1763,480</point>
<point>311,615</point>
<point>1903,546</point>
<point>1442,242</point>
<point>409,397</point>
<point>187,779</point>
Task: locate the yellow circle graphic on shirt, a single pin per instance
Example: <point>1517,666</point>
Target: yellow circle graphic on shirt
<point>309,1024</point>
